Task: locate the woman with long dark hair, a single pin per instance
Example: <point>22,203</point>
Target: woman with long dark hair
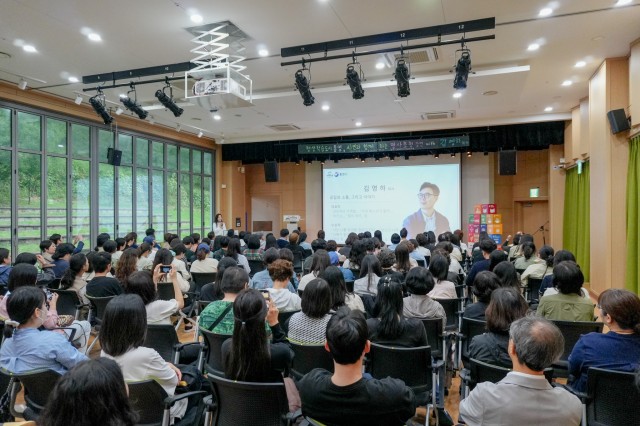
<point>370,273</point>
<point>569,304</point>
<point>219,227</point>
<point>127,265</point>
<point>542,267</point>
<point>483,286</point>
<point>234,252</point>
<point>270,241</point>
<point>357,253</point>
<point>72,278</point>
<point>144,285</point>
<point>403,262</point>
<point>320,261</point>
<point>389,327</point>
<point>164,257</point>
<point>507,274</point>
<point>340,295</point>
<point>348,243</point>
<point>547,287</point>
<point>528,257</point>
<point>439,268</point>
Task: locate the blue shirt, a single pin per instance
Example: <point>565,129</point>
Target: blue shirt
<point>262,280</point>
<point>30,349</point>
<point>59,267</point>
<point>347,274</point>
<point>417,256</point>
<point>4,274</point>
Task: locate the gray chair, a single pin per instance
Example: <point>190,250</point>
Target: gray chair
<point>612,398</point>
<point>213,363</point>
<point>164,339</point>
<point>98,306</point>
<point>469,329</point>
<point>572,330</point>
<point>308,357</point>
<point>38,385</point>
<point>152,403</point>
<point>69,303</point>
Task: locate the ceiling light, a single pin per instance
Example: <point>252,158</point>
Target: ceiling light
<point>533,46</point>
<point>453,154</point>
<point>623,2</point>
<point>132,104</point>
<point>97,102</point>
<point>463,67</point>
<point>402,76</point>
<point>326,107</point>
<point>545,12</point>
<point>263,52</point>
<point>436,155</point>
<point>122,95</point>
<point>29,48</point>
<point>468,153</point>
<point>200,134</point>
<point>548,109</point>
<point>358,123</point>
<point>580,64</point>
<point>119,111</point>
<point>196,18</point>
<point>379,65</point>
<point>304,87</point>
<point>167,101</point>
<point>567,83</point>
<point>78,100</point>
<point>217,117</point>
<point>457,95</point>
<point>22,84</point>
<point>309,161</point>
<point>94,37</point>
<point>73,79</point>
<point>354,81</point>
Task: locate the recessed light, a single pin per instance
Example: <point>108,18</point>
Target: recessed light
<point>263,52</point>
<point>196,18</point>
<point>94,37</point>
<point>580,64</point>
<point>457,95</point>
<point>533,46</point>
<point>29,48</point>
<point>217,117</point>
<point>545,12</point>
<point>623,2</point>
<point>379,65</point>
<point>73,79</point>
<point>358,123</point>
<point>490,93</point>
<point>200,134</point>
<point>567,83</point>
<point>548,109</point>
<point>326,107</point>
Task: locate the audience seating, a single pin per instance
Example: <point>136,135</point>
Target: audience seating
<point>164,339</point>
<point>166,291</point>
<point>421,263</point>
<point>213,344</point>
<point>38,384</point>
<point>468,330</point>
<point>98,305</point>
<point>612,398</point>
<point>152,403</point>
<point>69,303</point>
<point>572,330</point>
<point>201,279</point>
<point>532,289</point>
<point>263,404</point>
<point>255,266</point>
<point>283,319</point>
<point>452,309</point>
<point>435,336</point>
<point>54,284</point>
<point>308,357</point>
<point>349,285</point>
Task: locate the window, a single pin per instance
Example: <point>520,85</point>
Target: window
<point>81,199</point>
<point>29,136</point>
<point>142,200</point>
<point>106,199</point>
<point>142,153</point>
<point>29,202</point>
<point>5,201</point>
<point>56,136</point>
<point>5,127</point>
<point>56,206</point>
<point>125,144</point>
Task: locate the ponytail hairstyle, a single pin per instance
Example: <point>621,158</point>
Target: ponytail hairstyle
<point>143,248</point>
<point>388,308</point>
<point>546,254</point>
<point>76,264</point>
<point>528,249</point>
<point>21,305</point>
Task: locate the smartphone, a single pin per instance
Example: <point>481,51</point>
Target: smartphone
<point>48,293</point>
<point>266,294</point>
<point>165,269</point>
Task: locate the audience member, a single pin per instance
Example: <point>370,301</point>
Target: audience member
<point>120,246</point>
<point>320,261</point>
<point>213,291</point>
<point>218,315</point>
<point>233,251</point>
<point>165,258</point>
<point>370,274</point>
<point>61,258</point>
<point>496,257</point>
<point>547,281</point>
<point>569,304</point>
<point>100,240</point>
<point>45,273</point>
<point>309,326</point>
<point>127,265</point>
<point>403,262</point>
<point>528,257</point>
<point>47,248</point>
<point>144,252</point>
<point>281,272</point>
<point>144,284</point>
<point>418,304</point>
<point>484,284</point>
<point>101,285</point>
<point>439,268</point>
<point>348,243</point>
<point>253,250</point>
<point>507,274</point>
<point>486,246</point>
<point>540,269</point>
<point>203,263</point>
<point>72,278</point>
<point>283,241</point>
<point>340,295</point>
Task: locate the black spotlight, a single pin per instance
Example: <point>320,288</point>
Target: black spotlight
<point>355,82</point>
<point>132,105</point>
<point>97,102</point>
<point>167,101</point>
<point>463,67</point>
<point>402,76</point>
<point>303,86</point>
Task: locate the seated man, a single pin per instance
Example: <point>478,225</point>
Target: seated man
<point>525,396</point>
<point>346,397</point>
<point>101,285</point>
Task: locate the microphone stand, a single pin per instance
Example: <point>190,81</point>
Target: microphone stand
<point>541,228</point>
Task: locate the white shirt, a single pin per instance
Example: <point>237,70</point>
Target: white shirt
<point>306,279</point>
<point>220,229</point>
<point>206,265</point>
<point>284,300</point>
<point>160,311</point>
<point>429,222</point>
<point>443,290</point>
<point>181,267</point>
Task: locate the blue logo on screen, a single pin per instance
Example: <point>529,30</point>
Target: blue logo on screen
<point>335,174</point>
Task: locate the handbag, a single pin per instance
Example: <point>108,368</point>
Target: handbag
<point>5,404</point>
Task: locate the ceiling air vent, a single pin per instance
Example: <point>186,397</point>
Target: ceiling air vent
<point>283,127</point>
<point>438,115</point>
<point>417,56</point>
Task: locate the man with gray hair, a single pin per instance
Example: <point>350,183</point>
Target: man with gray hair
<point>525,397</point>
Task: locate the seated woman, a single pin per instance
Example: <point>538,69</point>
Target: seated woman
<point>496,257</point>
<point>203,262</point>
<point>540,269</point>
<point>144,263</point>
<point>281,272</point>
<point>528,257</point>
<point>619,349</point>
<point>370,274</point>
<point>507,274</point>
<point>356,254</point>
<point>319,263</point>
<point>419,305</point>
<point>340,295</point>
<point>127,265</point>
<point>568,304</point>
<point>253,250</point>
<point>164,257</point>
<point>403,262</point>
<point>145,286</point>
<point>234,251</point>
<point>439,268</point>
<point>25,347</point>
<point>218,315</point>
<point>72,278</point>
<point>249,356</point>
<point>483,285</point>
<point>547,288</point>
<point>387,259</point>
<point>389,327</point>
<point>108,404</point>
<point>506,306</point>
<point>122,333</point>
<point>309,326</point>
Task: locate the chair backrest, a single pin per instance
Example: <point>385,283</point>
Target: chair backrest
<point>533,288</point>
<point>470,328</point>
<point>451,307</point>
<point>421,263</point>
<point>38,385</point>
<point>201,279</point>
<point>349,285</point>
<point>412,365</point>
<point>262,404</point>
<point>484,372</point>
<point>283,319</point>
<point>166,291</point>
<point>147,399</point>
<point>214,341</point>
<point>307,252</point>
<point>162,338</point>
<point>434,329</point>
<point>572,330</point>
<point>54,284</point>
<point>99,304</point>
<point>612,396</point>
<point>68,302</point>
<point>255,266</point>
<point>520,271</point>
<point>308,357</point>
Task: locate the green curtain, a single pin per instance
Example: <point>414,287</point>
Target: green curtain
<point>633,217</point>
<point>576,233</point>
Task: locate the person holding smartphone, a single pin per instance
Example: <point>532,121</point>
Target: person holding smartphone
<point>219,228</point>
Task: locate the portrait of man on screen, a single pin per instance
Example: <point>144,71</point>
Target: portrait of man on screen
<point>426,218</point>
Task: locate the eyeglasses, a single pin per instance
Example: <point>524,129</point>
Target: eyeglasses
<point>426,195</point>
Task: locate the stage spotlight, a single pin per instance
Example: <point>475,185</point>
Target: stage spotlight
<point>167,101</point>
<point>97,102</point>
<point>354,81</point>
<point>132,105</point>
<point>402,76</point>
<point>304,87</point>
<point>463,67</point>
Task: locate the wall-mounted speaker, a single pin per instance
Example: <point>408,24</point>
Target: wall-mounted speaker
<point>114,157</point>
<point>271,171</point>
<point>618,121</point>
<point>508,162</point>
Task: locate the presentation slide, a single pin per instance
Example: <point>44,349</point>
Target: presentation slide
<point>388,198</point>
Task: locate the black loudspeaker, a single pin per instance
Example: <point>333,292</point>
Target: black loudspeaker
<point>271,171</point>
<point>114,156</point>
<point>508,162</point>
<point>618,121</point>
